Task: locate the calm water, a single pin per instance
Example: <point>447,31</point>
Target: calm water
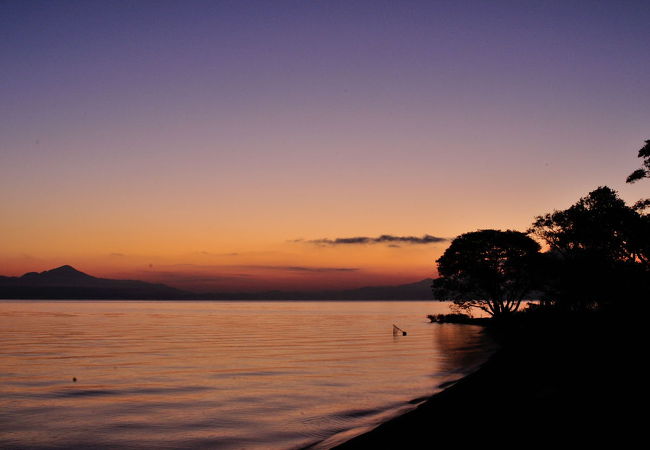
<point>218,374</point>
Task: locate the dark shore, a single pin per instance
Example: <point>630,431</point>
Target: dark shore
<point>568,381</point>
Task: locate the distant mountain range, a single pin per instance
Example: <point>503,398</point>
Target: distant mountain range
<point>420,290</point>
<point>66,282</point>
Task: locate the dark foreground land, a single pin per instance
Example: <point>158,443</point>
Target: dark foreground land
<point>558,381</point>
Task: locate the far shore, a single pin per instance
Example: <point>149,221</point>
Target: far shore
<point>550,384</point>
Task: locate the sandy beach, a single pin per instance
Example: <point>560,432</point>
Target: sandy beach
<point>565,384</point>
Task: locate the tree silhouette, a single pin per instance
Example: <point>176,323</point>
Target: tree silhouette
<point>643,172</point>
<point>491,270</point>
<point>599,251</point>
<point>601,224</point>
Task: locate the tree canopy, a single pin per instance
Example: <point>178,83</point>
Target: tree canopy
<point>492,270</point>
<point>600,223</point>
<point>599,251</point>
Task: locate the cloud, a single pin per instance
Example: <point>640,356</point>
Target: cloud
<point>219,254</point>
<point>204,267</point>
<point>229,277</point>
<point>189,277</point>
<point>312,269</point>
<point>383,239</point>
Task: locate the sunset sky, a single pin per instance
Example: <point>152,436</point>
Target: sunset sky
<point>227,145</point>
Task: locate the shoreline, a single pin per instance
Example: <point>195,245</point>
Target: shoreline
<point>546,385</point>
<point>340,440</point>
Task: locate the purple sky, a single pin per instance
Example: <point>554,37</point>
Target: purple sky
<point>163,128</point>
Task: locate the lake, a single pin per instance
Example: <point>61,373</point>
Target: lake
<point>180,374</point>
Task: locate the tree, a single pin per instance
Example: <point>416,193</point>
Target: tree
<point>599,251</point>
<point>600,224</point>
<point>491,270</point>
<point>644,171</point>
<point>638,174</point>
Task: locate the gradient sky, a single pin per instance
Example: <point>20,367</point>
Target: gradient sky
<point>204,144</point>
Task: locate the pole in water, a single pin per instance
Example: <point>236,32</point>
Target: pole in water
<point>397,330</point>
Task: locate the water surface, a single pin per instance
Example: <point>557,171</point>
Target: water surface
<point>218,374</point>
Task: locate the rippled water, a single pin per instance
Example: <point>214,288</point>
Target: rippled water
<point>218,374</point>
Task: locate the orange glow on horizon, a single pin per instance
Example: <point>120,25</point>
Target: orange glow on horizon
<point>284,266</point>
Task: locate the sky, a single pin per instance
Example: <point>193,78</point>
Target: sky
<point>239,145</point>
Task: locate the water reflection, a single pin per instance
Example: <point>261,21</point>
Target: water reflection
<point>216,374</point>
<point>456,342</point>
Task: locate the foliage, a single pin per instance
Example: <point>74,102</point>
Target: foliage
<point>487,269</point>
<point>455,318</point>
<point>599,251</point>
<point>600,224</point>
<point>644,171</point>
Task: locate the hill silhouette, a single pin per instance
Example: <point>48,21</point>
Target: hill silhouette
<point>66,282</point>
<point>420,290</point>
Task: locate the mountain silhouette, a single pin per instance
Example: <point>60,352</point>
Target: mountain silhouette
<point>66,282</point>
<point>420,290</point>
<point>60,276</point>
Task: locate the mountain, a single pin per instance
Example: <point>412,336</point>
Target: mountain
<point>66,282</point>
<point>420,290</point>
<point>60,276</point>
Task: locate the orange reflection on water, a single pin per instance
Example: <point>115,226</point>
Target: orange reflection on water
<point>217,374</point>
